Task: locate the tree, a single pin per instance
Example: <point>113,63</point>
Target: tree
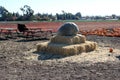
<point>113,16</point>
<point>22,9</point>
<point>3,12</point>
<point>64,15</point>
<point>27,12</point>
<point>78,15</point>
<point>69,16</point>
<point>15,16</point>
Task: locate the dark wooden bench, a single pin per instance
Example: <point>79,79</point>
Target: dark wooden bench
<point>34,32</point>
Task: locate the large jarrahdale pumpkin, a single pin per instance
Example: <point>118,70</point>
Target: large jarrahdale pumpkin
<point>68,29</point>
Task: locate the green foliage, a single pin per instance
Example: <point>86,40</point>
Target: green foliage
<point>28,15</point>
<point>68,16</point>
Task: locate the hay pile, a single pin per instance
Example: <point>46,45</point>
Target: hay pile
<point>68,39</point>
<point>66,45</point>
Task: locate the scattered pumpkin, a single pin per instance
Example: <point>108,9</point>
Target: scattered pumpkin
<point>111,50</point>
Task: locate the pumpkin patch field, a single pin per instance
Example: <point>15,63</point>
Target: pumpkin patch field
<point>100,28</point>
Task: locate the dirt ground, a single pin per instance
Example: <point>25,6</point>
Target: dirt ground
<point>20,61</point>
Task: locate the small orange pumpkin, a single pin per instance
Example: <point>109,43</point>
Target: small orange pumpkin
<point>111,50</point>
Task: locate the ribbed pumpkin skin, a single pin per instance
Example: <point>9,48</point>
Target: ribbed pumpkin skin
<point>68,29</point>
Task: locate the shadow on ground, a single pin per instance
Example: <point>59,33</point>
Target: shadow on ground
<point>118,57</point>
<point>30,40</point>
<point>2,39</point>
<point>48,56</point>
